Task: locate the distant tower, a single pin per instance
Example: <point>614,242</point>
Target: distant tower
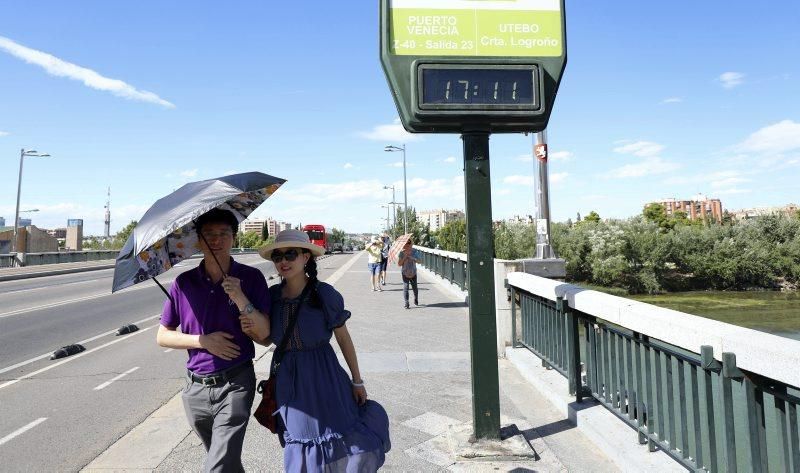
<point>108,215</point>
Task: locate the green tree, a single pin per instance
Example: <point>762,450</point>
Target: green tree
<point>453,236</point>
<point>591,217</point>
<point>265,232</point>
<point>337,236</point>
<point>250,240</point>
<point>122,236</point>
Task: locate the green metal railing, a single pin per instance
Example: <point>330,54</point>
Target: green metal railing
<point>450,266</point>
<point>708,415</point>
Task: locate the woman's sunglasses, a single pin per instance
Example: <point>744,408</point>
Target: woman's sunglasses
<point>277,256</point>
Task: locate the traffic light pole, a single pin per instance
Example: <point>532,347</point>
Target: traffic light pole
<point>480,284</point>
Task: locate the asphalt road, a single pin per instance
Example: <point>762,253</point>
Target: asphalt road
<point>58,415</point>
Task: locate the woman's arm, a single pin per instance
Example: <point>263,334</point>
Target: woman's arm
<point>349,353</point>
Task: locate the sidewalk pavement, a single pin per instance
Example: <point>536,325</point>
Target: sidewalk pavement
<point>416,363</point>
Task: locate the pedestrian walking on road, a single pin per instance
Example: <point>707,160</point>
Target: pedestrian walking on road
<point>384,257</point>
<point>207,304</point>
<point>407,260</point>
<point>374,249</point>
<point>325,421</point>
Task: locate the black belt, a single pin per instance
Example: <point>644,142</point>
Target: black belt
<point>221,377</point>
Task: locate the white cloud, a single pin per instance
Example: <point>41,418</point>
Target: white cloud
<point>642,149</point>
<point>4,133</point>
<point>393,133</point>
<point>450,159</point>
<point>728,182</point>
<point>189,173</point>
<point>561,156</point>
<point>558,177</point>
<point>778,138</point>
<point>60,68</point>
<point>339,192</point>
<point>396,164</point>
<point>420,188</point>
<point>733,191</point>
<point>730,80</point>
<point>525,158</point>
<point>702,178</point>
<point>672,100</point>
<point>348,166</point>
<point>650,166</point>
<point>518,180</point>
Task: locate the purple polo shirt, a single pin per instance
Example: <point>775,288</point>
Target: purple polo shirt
<point>202,307</point>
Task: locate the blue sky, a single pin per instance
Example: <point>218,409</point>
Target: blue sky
<point>659,99</point>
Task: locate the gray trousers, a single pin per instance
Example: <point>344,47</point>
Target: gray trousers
<point>219,415</point>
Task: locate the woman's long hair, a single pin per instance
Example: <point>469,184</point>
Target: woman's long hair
<point>311,271</point>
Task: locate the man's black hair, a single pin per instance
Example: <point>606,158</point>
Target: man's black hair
<point>217,216</point>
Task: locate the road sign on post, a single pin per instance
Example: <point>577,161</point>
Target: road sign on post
<point>455,65</point>
<point>475,67</point>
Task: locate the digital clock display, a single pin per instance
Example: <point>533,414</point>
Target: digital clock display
<point>478,87</point>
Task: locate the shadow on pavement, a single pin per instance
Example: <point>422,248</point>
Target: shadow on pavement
<point>445,305</point>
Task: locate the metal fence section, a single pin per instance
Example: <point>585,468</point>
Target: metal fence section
<point>449,265</point>
<point>706,412</point>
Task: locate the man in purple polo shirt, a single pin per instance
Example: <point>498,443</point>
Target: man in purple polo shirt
<point>208,303</point>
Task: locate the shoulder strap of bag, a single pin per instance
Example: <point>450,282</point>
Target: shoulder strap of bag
<point>281,349</point>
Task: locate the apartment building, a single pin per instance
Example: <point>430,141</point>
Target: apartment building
<point>438,218</point>
<point>699,207</point>
<point>789,210</point>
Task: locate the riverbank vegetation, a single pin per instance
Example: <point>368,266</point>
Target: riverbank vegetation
<point>653,253</point>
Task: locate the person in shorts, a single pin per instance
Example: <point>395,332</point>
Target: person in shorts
<point>374,262</point>
<point>384,257</point>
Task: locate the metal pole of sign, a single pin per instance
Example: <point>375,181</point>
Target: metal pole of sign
<point>542,195</point>
<point>480,284</point>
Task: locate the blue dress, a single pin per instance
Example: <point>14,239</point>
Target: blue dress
<point>320,425</point>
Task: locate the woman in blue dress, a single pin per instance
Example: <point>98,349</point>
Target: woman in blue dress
<point>326,423</point>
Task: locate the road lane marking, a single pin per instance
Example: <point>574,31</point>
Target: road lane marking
<point>82,342</point>
<point>115,378</point>
<point>75,357</point>
<point>70,301</point>
<point>340,272</point>
<point>22,430</point>
<point>41,288</point>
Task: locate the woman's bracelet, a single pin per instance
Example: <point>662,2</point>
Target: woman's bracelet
<point>358,385</point>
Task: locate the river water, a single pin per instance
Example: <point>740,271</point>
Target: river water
<point>769,311</point>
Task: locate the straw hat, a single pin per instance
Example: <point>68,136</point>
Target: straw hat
<point>291,239</point>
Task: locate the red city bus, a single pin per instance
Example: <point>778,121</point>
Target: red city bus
<point>318,236</point>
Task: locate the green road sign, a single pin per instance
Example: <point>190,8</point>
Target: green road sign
<point>473,65</point>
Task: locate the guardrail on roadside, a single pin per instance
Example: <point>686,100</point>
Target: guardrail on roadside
<point>714,396</point>
<point>55,257</point>
<point>33,259</point>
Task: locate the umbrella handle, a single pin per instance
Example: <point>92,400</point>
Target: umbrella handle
<point>171,300</point>
<point>224,274</point>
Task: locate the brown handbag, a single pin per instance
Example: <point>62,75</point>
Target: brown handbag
<point>265,412</point>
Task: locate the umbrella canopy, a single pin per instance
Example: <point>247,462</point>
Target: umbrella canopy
<point>397,247</point>
<point>166,234</point>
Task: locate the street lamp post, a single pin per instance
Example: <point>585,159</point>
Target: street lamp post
<point>391,149</point>
<point>387,215</point>
<point>23,153</point>
<point>394,210</point>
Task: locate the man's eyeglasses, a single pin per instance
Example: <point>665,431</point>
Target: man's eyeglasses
<point>214,235</point>
<point>277,256</point>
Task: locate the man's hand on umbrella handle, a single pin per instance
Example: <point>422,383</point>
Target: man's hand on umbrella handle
<point>220,344</point>
<point>233,288</point>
